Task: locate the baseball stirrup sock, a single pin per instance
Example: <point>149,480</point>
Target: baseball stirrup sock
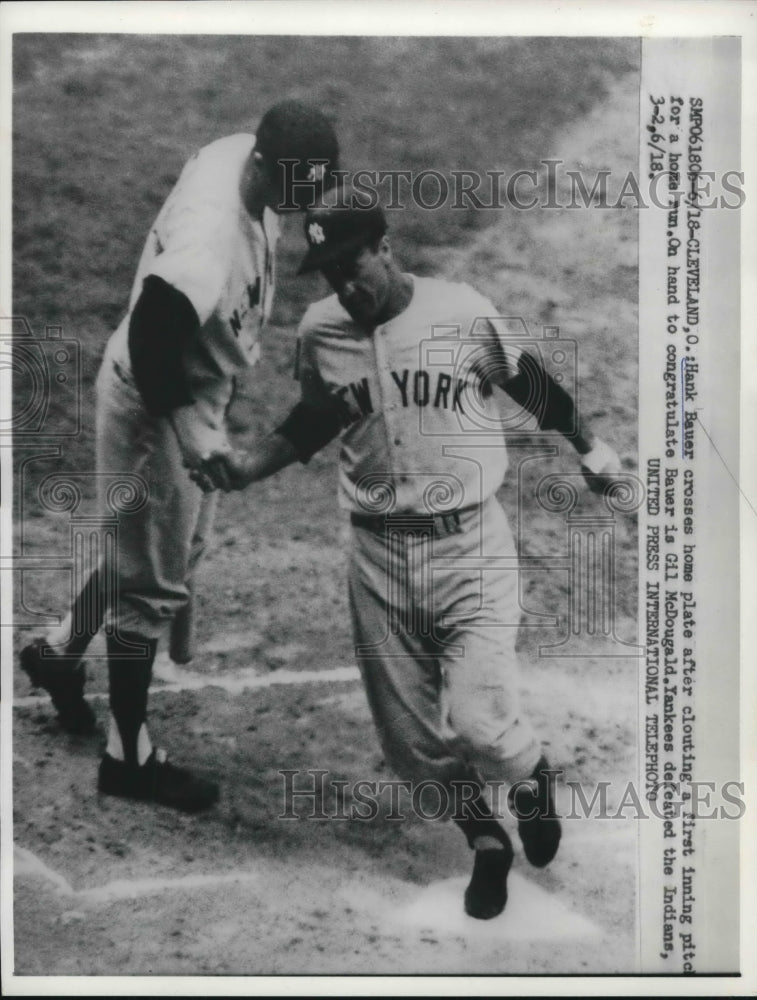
<point>129,677</point>
<point>83,621</point>
<point>533,803</point>
<point>479,826</point>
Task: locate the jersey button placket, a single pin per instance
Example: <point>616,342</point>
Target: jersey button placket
<point>388,389</point>
<point>394,412</point>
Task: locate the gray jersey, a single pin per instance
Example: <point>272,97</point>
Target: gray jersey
<point>422,428</point>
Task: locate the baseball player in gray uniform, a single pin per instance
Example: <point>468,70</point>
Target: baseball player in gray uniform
<point>202,293</point>
<point>402,367</point>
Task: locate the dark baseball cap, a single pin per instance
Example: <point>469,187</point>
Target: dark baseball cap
<point>301,141</point>
<point>340,229</point>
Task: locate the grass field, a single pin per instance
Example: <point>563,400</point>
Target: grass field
<point>102,126</point>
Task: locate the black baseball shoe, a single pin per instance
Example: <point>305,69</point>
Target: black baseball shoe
<point>486,895</point>
<point>63,679</point>
<point>156,781</point>
<point>532,803</point>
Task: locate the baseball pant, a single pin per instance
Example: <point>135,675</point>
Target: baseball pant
<point>160,544</point>
<point>435,619</point>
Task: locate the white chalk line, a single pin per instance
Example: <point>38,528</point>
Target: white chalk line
<point>177,680</point>
<point>533,913</point>
<point>29,864</point>
<point>184,680</point>
<point>25,862</point>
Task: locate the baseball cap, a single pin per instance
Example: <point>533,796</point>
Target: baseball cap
<point>339,229</point>
<point>293,130</point>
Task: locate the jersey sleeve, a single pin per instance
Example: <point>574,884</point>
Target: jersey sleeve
<point>162,323</point>
<point>316,419</point>
<point>194,254</point>
<point>312,388</point>
<point>502,344</point>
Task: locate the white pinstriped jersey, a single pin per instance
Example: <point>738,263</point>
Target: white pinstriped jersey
<point>205,243</point>
<point>422,429</point>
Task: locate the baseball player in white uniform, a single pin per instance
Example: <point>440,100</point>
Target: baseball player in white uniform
<point>402,367</point>
<point>202,293</point>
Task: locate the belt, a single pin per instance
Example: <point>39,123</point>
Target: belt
<point>414,522</point>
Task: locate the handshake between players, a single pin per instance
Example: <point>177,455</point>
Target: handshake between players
<point>366,379</point>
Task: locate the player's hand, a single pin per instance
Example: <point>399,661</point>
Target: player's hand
<point>227,471</point>
<point>198,439</point>
<point>203,480</point>
<point>601,467</point>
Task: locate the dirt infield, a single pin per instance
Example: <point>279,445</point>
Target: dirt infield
<point>108,887</point>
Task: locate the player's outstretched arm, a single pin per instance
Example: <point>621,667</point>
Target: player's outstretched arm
<point>306,430</point>
<point>535,390</point>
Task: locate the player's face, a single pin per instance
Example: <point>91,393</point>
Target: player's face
<point>362,283</point>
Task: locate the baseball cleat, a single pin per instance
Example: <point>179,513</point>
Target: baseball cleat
<point>156,781</point>
<point>486,894</point>
<point>64,682</point>
<point>539,829</point>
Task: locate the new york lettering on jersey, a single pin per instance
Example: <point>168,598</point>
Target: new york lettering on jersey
<point>409,390</point>
<point>430,389</point>
<point>407,362</point>
<point>252,300</point>
<point>418,388</point>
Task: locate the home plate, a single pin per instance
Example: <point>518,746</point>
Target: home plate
<point>531,914</point>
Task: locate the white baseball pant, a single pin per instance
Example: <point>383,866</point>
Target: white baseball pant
<point>159,545</point>
<point>435,624</point>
